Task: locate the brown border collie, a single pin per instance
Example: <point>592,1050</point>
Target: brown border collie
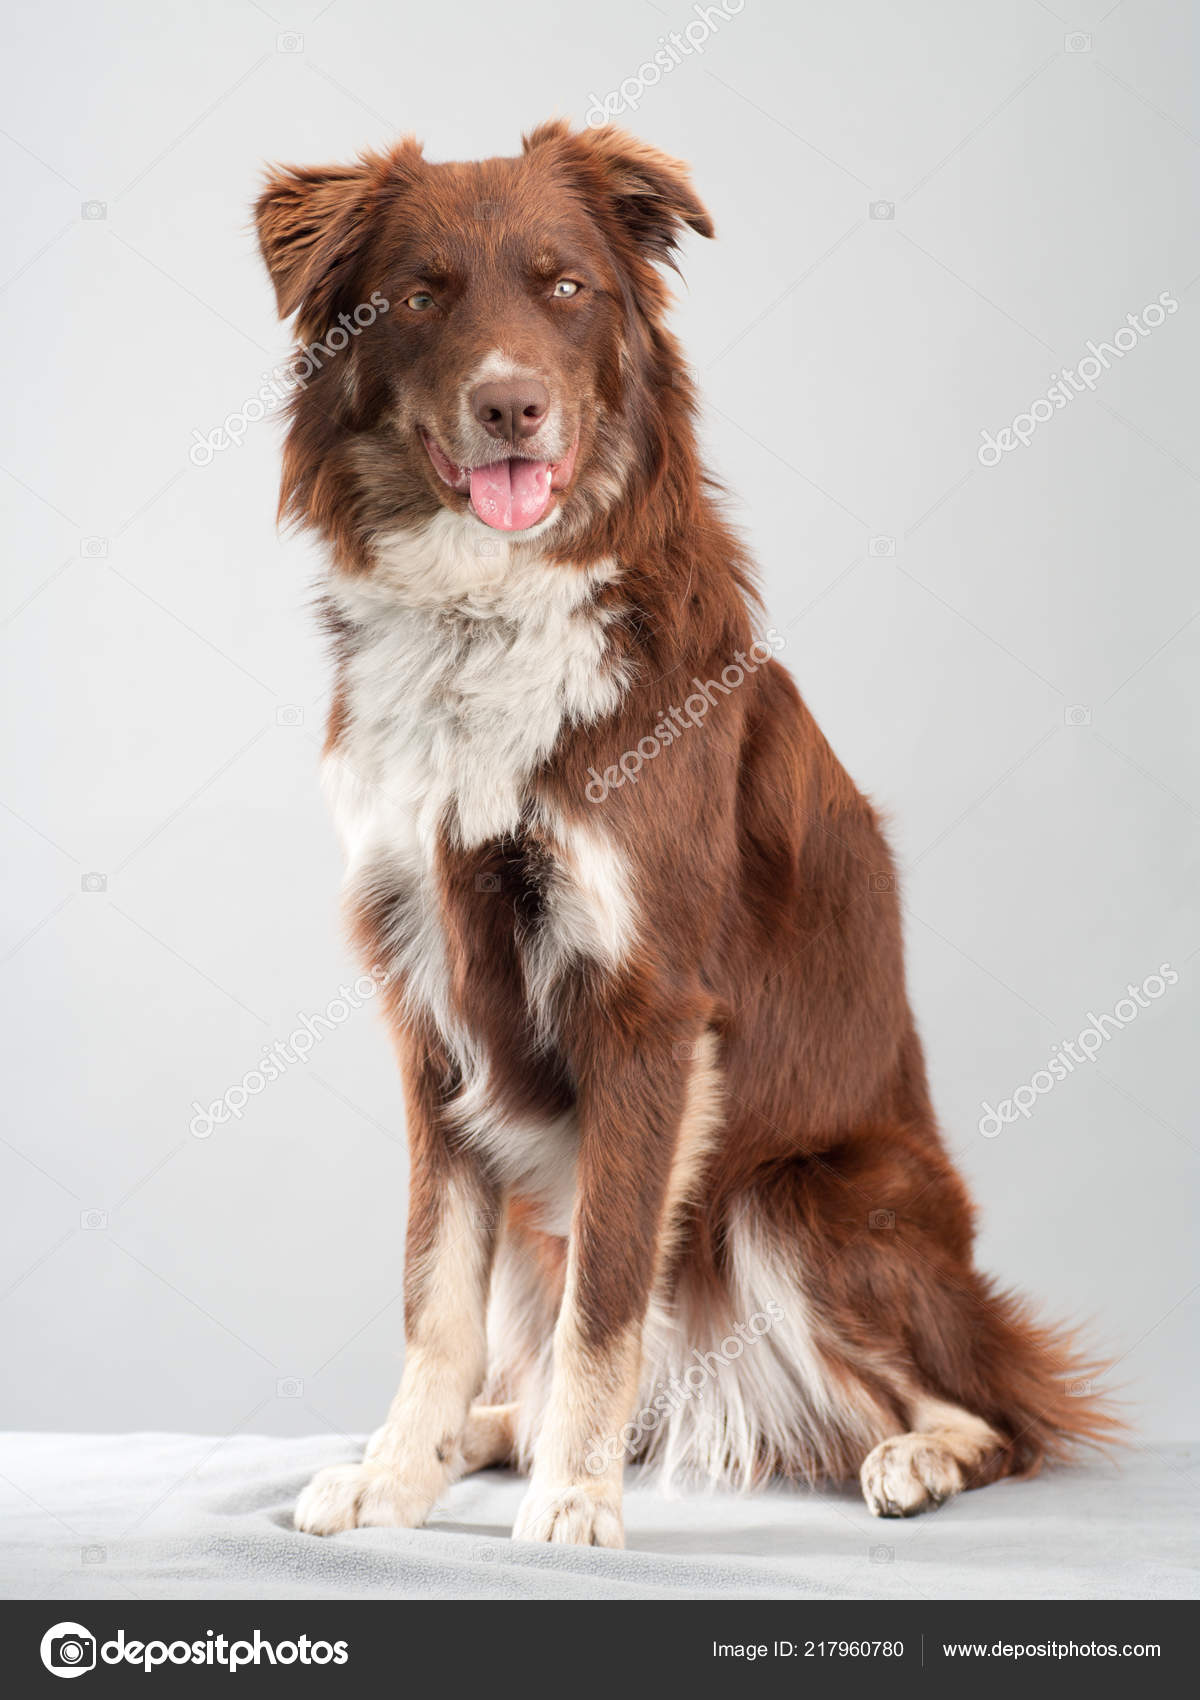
<point>678,1194</point>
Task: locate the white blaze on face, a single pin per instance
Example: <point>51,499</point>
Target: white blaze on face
<point>509,493</point>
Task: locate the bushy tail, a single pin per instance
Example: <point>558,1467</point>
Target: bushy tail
<point>1038,1386</point>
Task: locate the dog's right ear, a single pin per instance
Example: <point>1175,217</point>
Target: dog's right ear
<point>312,225</point>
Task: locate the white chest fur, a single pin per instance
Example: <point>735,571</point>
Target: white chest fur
<point>457,686</point>
<point>460,671</point>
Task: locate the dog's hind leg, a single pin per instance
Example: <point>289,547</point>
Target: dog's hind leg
<point>947,1451</point>
<point>964,1386</point>
<point>489,1437</point>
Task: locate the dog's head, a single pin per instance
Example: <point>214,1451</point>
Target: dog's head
<point>485,338</point>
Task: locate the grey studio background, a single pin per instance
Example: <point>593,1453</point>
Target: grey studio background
<point>925,213</point>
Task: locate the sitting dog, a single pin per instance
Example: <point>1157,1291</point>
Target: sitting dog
<point>678,1194</point>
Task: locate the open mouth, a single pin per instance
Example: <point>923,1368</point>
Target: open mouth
<point>510,495</point>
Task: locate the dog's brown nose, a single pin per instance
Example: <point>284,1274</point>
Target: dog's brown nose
<point>512,409</point>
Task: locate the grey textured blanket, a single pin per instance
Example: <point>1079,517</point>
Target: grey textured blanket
<point>166,1516</point>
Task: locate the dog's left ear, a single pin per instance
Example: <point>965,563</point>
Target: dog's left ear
<point>650,193</point>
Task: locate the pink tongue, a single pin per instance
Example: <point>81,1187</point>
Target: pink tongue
<point>511,494</point>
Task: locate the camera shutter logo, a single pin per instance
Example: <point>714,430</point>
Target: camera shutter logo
<point>68,1649</point>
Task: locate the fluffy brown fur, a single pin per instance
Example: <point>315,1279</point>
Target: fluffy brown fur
<point>766,923</point>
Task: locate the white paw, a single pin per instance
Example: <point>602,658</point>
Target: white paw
<point>575,1516</point>
<point>358,1496</point>
<point>910,1473</point>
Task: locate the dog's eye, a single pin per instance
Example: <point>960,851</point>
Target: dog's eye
<point>566,286</point>
<point>420,303</point>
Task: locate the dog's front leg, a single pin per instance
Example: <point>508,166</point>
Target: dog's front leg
<point>630,1107</point>
<point>452,1218</point>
